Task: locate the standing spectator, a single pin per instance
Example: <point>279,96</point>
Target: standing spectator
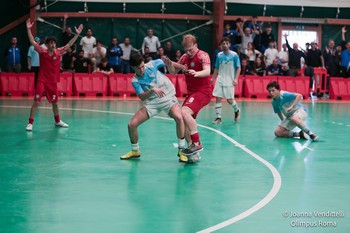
<point>67,60</point>
<point>266,37</point>
<point>13,57</point>
<point>33,60</point>
<point>230,33</point>
<point>226,72</point>
<point>160,55</point>
<point>271,53</point>
<point>126,48</point>
<point>87,43</point>
<point>168,51</point>
<point>314,59</point>
<point>329,54</point>
<point>82,64</point>
<point>67,33</point>
<point>247,36</point>
<point>294,57</point>
<point>115,54</point>
<point>152,42</point>
<point>97,54</point>
<point>345,56</point>
<point>49,74</point>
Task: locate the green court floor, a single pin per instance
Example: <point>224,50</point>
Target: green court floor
<point>56,180</point>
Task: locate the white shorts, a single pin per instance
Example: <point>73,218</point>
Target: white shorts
<point>154,108</point>
<point>290,125</point>
<point>227,92</point>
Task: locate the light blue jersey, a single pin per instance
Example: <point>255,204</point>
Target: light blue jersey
<point>227,65</point>
<point>153,78</point>
<point>284,101</point>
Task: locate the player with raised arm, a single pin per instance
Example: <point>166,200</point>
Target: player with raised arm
<point>157,94</point>
<point>291,111</point>
<point>49,73</point>
<point>226,72</point>
<point>195,64</point>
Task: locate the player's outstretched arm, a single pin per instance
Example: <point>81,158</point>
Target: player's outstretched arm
<point>72,41</point>
<point>29,32</point>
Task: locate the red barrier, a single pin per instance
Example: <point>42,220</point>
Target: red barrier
<point>117,84</point>
<point>320,80</point>
<point>172,78</point>
<point>181,86</point>
<point>65,85</point>
<point>90,84</point>
<point>339,88</point>
<point>255,86</point>
<point>295,84</point>
<point>21,84</point>
<point>239,87</point>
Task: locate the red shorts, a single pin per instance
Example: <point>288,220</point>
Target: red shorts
<point>197,101</point>
<point>49,89</point>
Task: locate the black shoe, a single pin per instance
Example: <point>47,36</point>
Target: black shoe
<point>237,115</point>
<point>313,137</point>
<point>302,135</point>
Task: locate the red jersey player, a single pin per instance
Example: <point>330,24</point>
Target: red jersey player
<point>196,66</point>
<point>49,73</point>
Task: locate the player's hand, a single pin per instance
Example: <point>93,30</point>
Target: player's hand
<point>288,109</point>
<point>166,60</point>
<point>185,69</point>
<point>235,82</point>
<point>159,92</point>
<point>29,24</point>
<point>343,29</point>
<point>79,29</point>
<point>192,72</point>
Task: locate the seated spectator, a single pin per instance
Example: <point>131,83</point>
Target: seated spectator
<point>168,51</point>
<point>160,54</point>
<point>252,53</point>
<point>97,54</point>
<point>146,55</point>
<point>67,63</point>
<point>259,67</point>
<point>275,68</point>
<point>81,63</point>
<point>271,53</point>
<point>246,69</point>
<point>104,67</point>
<point>178,55</point>
<point>284,57</point>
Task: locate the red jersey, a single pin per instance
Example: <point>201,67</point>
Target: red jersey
<point>49,71</point>
<point>196,63</point>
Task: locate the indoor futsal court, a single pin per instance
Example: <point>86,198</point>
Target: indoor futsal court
<point>72,180</point>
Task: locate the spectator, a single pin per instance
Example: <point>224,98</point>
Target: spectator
<point>338,52</point>
<point>178,54</point>
<point>68,60</point>
<point>67,33</point>
<point>115,54</point>
<point>230,33</point>
<point>87,43</point>
<point>275,68</point>
<point>259,67</point>
<point>160,55</point>
<point>168,51</point>
<point>247,36</point>
<point>329,54</point>
<point>345,56</point>
<point>104,67</point>
<point>266,37</point>
<point>246,69</point>
<point>81,63</point>
<point>127,48</point>
<point>13,57</point>
<point>251,53</point>
<point>314,58</point>
<point>284,57</point>
<point>294,58</point>
<point>152,42</point>
<point>33,60</point>
<point>146,55</point>
<point>97,54</point>
<point>271,53</point>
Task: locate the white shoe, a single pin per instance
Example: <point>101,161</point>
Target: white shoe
<point>61,124</point>
<point>29,127</point>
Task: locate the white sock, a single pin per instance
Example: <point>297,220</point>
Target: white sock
<point>234,106</point>
<point>218,110</point>
<point>181,143</point>
<point>135,146</point>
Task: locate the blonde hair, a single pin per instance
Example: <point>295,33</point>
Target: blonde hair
<point>188,40</point>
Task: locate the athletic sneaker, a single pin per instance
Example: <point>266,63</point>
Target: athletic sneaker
<point>29,127</point>
<point>216,121</point>
<point>313,137</point>
<point>131,154</point>
<point>193,148</point>
<point>182,158</point>
<point>237,115</point>
<point>302,135</point>
<point>194,158</point>
<point>61,124</point>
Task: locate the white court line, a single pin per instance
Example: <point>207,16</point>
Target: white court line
<point>276,176</point>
